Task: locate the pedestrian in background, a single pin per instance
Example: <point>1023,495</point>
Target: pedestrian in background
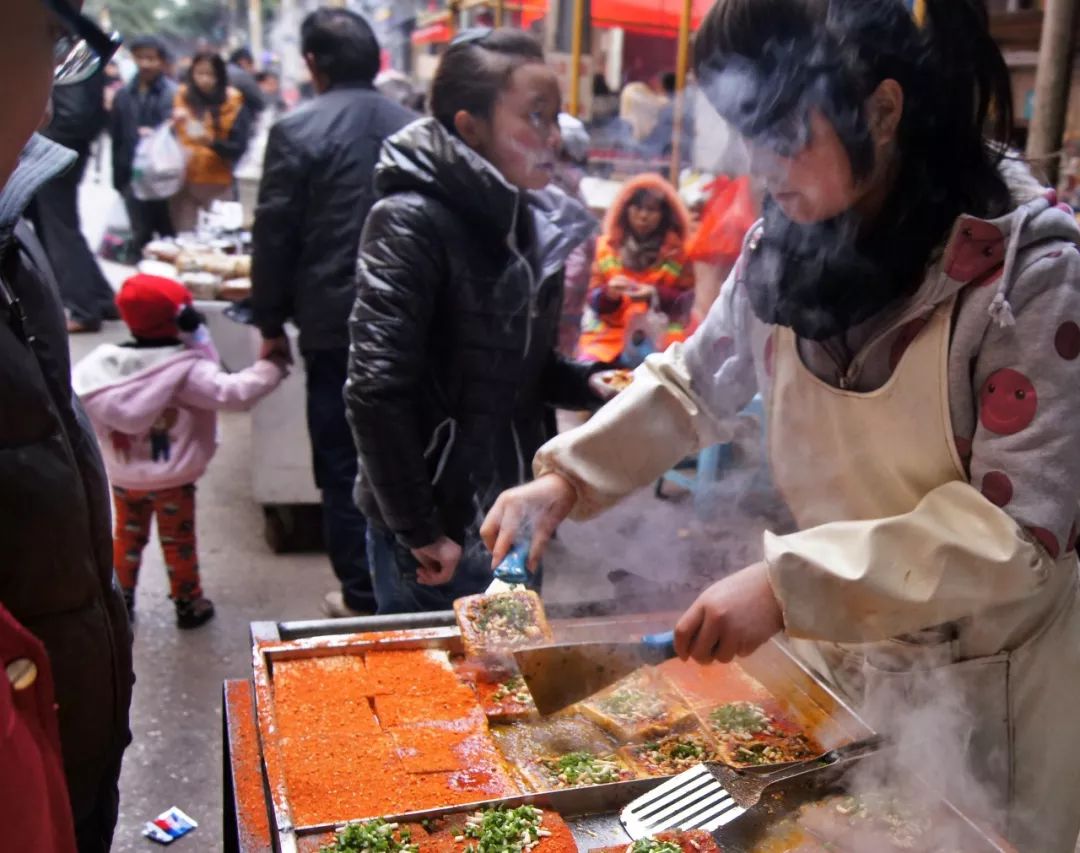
<point>641,276</point>
<point>78,117</point>
<point>214,126</point>
<point>139,108</point>
<point>314,197</point>
<point>153,402</point>
<point>56,575</point>
<point>243,78</point>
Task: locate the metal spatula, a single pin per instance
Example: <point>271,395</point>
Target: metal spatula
<point>710,795</point>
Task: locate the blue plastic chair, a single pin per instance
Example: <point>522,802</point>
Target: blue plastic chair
<point>697,473</point>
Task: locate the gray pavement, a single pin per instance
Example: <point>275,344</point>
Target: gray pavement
<point>175,757</point>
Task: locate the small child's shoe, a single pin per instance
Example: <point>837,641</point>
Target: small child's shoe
<point>129,603</point>
<point>193,613</point>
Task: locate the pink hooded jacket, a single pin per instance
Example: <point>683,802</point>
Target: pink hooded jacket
<point>154,410</point>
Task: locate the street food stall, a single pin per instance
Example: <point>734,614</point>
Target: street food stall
<point>390,723</point>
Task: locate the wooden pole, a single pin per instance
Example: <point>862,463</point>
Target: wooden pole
<point>576,34</point>
<point>1052,85</point>
<point>500,8</point>
<point>682,60</point>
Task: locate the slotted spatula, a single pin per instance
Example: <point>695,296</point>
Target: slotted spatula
<point>710,795</point>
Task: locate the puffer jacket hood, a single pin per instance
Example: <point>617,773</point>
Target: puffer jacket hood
<point>424,158</point>
<point>137,383</point>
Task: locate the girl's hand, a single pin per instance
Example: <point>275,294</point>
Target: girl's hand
<point>731,618</point>
<point>179,115</point>
<point>438,561</point>
<point>600,388</point>
<point>541,504</point>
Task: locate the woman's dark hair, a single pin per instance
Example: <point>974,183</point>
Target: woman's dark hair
<point>764,64</point>
<point>201,102</point>
<point>198,98</point>
<point>476,68</point>
<point>667,215</point>
<point>342,45</point>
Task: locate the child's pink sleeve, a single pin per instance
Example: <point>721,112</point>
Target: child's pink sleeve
<point>208,386</point>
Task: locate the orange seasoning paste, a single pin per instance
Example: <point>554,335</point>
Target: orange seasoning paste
<point>383,733</point>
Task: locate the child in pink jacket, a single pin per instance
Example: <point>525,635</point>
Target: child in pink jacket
<point>153,402</point>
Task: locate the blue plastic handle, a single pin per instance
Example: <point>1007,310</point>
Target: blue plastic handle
<point>663,644</point>
<point>512,569</point>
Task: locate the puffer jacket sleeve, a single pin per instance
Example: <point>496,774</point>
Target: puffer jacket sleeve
<point>681,400</point>
<point>277,234</point>
<point>564,383</point>
<point>400,271</point>
<point>966,547</point>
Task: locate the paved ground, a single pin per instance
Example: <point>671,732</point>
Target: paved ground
<point>175,758</point>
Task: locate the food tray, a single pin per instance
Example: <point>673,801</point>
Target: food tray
<point>592,813</point>
<point>815,707</point>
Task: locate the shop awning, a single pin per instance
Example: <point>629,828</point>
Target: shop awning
<point>438,33</point>
<point>647,16</point>
<point>651,17</point>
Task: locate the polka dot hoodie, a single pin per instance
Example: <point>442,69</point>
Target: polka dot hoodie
<point>1013,372</point>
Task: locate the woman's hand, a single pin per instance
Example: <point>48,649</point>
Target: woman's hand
<point>541,504</point>
<point>731,618</point>
<point>438,561</point>
<point>179,115</point>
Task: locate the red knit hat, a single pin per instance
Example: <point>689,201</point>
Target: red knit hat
<point>149,305</point>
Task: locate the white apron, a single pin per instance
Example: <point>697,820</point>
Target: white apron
<point>877,454</point>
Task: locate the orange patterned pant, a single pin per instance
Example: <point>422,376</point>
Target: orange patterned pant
<point>175,512</point>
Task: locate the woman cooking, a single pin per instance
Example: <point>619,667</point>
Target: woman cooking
<point>908,307</point>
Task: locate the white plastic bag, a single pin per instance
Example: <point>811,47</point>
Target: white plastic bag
<point>159,167</point>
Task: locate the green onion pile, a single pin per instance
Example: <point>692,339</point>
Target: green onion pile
<point>373,836</point>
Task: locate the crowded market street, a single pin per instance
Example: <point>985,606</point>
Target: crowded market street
<point>176,754</point>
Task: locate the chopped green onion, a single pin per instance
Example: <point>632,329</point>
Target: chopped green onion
<point>372,836</point>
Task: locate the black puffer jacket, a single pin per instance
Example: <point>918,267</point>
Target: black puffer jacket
<point>453,365</point>
<point>313,199</point>
<point>56,574</point>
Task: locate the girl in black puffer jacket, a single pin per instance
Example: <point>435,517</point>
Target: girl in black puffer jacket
<point>453,365</point>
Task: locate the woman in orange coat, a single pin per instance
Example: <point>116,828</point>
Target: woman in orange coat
<point>213,126</point>
<point>640,264</point>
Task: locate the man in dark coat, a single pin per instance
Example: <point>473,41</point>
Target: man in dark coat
<point>315,194</point>
<point>140,107</point>
<point>241,71</point>
<point>78,118</point>
<point>56,574</point>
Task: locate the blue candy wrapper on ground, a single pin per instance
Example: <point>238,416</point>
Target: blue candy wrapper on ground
<point>168,826</point>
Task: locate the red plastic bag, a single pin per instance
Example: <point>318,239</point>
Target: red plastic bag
<point>728,215</point>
